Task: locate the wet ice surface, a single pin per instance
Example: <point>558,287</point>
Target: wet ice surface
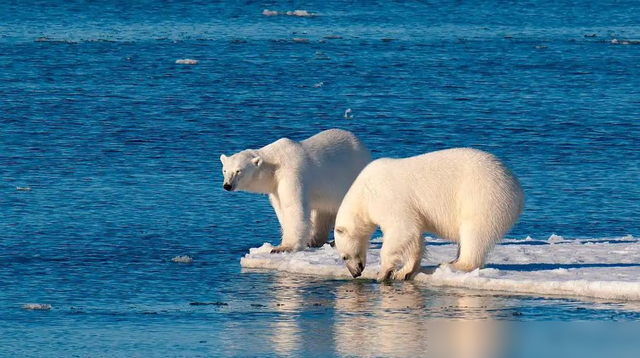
<point>590,268</point>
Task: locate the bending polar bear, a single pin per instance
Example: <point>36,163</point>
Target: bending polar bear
<point>462,194</point>
<point>305,181</point>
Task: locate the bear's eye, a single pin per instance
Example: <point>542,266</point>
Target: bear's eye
<point>345,257</point>
<point>224,171</point>
<point>238,171</point>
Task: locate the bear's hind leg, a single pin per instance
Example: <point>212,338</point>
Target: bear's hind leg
<point>322,223</point>
<point>472,249</point>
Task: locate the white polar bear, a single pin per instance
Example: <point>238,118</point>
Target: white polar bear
<point>462,194</point>
<point>305,181</point>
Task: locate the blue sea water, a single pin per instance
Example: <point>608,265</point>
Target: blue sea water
<point>119,146</point>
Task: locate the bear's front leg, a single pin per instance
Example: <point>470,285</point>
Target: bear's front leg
<point>387,259</point>
<point>412,252</point>
<point>401,253</point>
<point>296,218</point>
<point>275,204</point>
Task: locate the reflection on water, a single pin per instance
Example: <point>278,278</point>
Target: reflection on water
<point>395,321</point>
<point>287,335</point>
<point>380,320</point>
<point>361,318</point>
<point>370,319</point>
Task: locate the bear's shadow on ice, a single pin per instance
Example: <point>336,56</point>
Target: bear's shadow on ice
<point>537,267</point>
<point>545,267</point>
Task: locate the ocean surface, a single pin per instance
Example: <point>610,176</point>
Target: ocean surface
<point>109,160</point>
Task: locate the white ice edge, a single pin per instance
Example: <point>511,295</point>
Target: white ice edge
<point>185,259</point>
<point>36,306</point>
<point>597,268</point>
<point>187,61</point>
<point>299,13</point>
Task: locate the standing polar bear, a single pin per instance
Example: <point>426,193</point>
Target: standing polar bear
<point>305,181</point>
<point>462,194</point>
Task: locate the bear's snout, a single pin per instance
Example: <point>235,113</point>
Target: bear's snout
<point>355,271</point>
<point>227,186</point>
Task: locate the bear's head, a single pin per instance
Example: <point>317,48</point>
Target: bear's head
<point>241,171</point>
<point>352,244</point>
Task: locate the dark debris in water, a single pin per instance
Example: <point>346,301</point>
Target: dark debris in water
<point>257,305</point>
<point>217,303</point>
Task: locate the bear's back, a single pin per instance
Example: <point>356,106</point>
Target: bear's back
<point>336,147</point>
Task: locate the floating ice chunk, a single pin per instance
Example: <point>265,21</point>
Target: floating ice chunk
<point>600,269</point>
<point>318,85</point>
<point>301,13</point>
<point>347,114</point>
<point>182,259</point>
<point>321,56</point>
<point>187,61</point>
<point>625,42</point>
<point>36,306</point>
<point>23,188</point>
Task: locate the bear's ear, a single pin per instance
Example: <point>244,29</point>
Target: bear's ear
<point>257,161</point>
<point>223,158</point>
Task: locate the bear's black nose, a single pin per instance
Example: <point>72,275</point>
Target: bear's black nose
<point>227,187</point>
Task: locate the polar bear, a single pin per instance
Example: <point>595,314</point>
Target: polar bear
<point>305,181</point>
<point>463,195</point>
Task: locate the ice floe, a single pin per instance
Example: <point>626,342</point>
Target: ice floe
<point>298,13</point>
<point>301,13</point>
<point>187,61</point>
<point>597,268</point>
<point>182,259</point>
<point>36,306</point>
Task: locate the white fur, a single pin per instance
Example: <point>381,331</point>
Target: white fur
<point>305,181</point>
<point>462,194</point>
